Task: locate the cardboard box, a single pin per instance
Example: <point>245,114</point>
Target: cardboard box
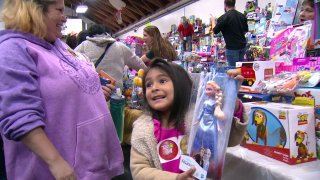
<point>281,131</point>
<point>254,73</point>
<point>310,97</point>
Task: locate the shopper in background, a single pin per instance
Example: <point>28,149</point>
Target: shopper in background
<point>158,46</point>
<point>116,57</point>
<point>307,11</point>
<point>185,30</point>
<point>233,26</point>
<point>82,36</point>
<point>168,99</point>
<point>54,120</point>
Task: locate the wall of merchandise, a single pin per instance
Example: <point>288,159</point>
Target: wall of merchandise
<point>201,9</point>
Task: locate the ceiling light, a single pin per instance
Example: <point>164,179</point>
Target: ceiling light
<point>81,8</point>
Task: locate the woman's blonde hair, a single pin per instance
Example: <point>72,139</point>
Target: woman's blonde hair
<point>160,46</point>
<point>26,15</point>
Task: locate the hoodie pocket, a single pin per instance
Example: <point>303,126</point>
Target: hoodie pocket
<point>91,150</point>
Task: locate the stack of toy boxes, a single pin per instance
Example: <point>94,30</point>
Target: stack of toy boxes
<point>310,97</point>
<point>254,73</point>
<point>281,131</point>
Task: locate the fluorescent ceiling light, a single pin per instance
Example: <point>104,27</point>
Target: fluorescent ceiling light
<point>81,8</point>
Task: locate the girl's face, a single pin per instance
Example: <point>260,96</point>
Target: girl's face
<point>159,90</point>
<point>146,38</point>
<point>307,13</point>
<point>54,20</point>
<point>210,90</point>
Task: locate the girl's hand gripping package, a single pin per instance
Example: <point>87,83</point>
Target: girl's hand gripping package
<point>210,128</point>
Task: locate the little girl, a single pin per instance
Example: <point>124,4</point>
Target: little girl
<point>155,152</point>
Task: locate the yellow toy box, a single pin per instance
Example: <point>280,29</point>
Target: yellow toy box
<point>281,131</point>
<point>254,73</point>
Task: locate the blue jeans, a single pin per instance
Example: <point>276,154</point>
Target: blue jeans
<point>234,56</point>
<point>189,41</point>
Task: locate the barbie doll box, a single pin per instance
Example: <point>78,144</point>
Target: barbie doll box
<point>254,73</point>
<point>281,131</point>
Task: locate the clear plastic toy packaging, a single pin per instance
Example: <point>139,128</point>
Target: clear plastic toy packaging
<point>211,123</point>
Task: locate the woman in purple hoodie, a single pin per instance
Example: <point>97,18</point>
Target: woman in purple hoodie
<point>54,118</point>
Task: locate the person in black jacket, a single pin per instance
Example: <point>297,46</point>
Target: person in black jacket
<point>233,26</point>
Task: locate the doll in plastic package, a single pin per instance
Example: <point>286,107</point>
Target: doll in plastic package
<point>212,122</point>
<point>209,115</point>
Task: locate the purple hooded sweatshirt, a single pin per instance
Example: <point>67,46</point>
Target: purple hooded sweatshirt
<point>44,85</point>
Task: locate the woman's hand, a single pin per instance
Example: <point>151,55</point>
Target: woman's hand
<point>187,175</point>
<point>38,142</point>
<point>107,90</point>
<point>61,170</point>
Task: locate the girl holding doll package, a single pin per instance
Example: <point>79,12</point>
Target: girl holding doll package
<point>158,137</point>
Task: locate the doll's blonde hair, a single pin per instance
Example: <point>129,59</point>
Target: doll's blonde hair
<point>218,97</point>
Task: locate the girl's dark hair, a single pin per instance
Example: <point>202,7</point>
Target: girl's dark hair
<point>182,85</point>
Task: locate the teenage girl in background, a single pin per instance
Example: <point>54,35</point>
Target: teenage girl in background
<point>156,137</point>
<point>158,46</point>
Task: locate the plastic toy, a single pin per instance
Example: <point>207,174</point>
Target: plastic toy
<point>284,83</point>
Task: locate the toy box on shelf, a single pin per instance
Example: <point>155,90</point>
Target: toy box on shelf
<point>290,43</point>
<point>254,73</point>
<point>299,64</point>
<point>310,97</point>
<point>253,97</point>
<point>308,68</point>
<point>281,131</point>
<point>283,15</point>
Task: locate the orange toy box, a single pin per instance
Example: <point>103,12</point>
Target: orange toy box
<point>281,131</point>
<point>254,73</point>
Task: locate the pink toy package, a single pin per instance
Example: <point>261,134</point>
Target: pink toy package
<point>291,43</point>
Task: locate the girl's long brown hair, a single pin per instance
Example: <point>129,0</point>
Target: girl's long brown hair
<point>161,47</point>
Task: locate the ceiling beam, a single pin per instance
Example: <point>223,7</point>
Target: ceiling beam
<point>146,6</point>
<point>157,3</point>
<point>107,14</point>
<point>135,10</point>
<point>104,18</point>
<point>128,13</point>
<point>100,20</point>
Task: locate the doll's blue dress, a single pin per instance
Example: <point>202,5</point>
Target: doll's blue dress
<point>207,132</point>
